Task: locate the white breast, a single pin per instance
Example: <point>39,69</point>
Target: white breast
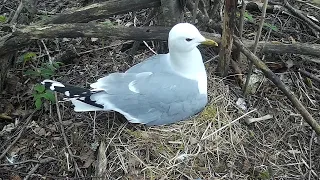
<point>202,83</point>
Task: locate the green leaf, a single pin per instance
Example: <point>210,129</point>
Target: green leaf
<point>36,96</point>
<point>44,17</point>
<point>49,66</point>
<point>57,64</point>
<point>107,22</point>
<point>274,28</point>
<point>3,19</point>
<point>29,56</point>
<point>39,88</point>
<point>49,96</point>
<point>32,73</point>
<point>264,175</point>
<point>46,73</point>
<point>248,16</point>
<point>38,104</point>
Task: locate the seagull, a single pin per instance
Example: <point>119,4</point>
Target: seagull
<point>161,90</point>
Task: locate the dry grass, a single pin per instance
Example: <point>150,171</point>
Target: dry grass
<point>215,144</point>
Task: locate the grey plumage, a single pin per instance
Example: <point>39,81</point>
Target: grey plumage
<point>166,99</point>
<point>163,89</point>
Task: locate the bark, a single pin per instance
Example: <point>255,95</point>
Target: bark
<point>102,10</point>
<point>24,35</point>
<point>171,14</point>
<point>227,37</point>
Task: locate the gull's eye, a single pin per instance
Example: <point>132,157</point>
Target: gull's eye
<point>188,39</point>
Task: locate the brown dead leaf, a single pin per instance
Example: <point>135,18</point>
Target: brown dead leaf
<point>39,131</point>
<point>87,155</point>
<point>15,177</point>
<point>5,116</point>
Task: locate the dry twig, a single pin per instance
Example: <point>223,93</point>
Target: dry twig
<point>276,80</point>
<point>255,46</point>
<point>263,118</point>
<point>19,135</point>
<point>309,75</point>
<point>66,140</point>
<point>43,161</point>
<point>301,16</point>
<point>101,164</point>
<point>195,11</point>
<point>16,14</point>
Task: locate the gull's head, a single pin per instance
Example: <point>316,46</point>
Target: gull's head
<point>184,37</point>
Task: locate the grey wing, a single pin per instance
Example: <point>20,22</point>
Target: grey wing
<point>151,98</point>
<point>156,63</point>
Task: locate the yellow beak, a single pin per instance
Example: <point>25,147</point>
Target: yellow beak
<point>209,42</point>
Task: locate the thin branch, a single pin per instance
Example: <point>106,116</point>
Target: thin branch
<point>306,73</point>
<point>195,11</point>
<point>255,46</point>
<point>31,172</point>
<point>241,21</point>
<point>16,14</point>
<point>227,125</point>
<point>276,80</point>
<point>65,138</point>
<point>301,16</point>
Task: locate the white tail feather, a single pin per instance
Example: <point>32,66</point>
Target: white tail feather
<point>83,107</point>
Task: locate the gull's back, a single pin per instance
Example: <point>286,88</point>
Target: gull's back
<point>154,64</point>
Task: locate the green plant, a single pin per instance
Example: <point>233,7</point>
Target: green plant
<point>27,57</point>
<point>3,19</point>
<point>250,18</point>
<point>41,93</point>
<point>46,70</point>
<point>264,175</point>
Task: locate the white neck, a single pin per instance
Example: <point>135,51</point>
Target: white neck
<point>187,64</point>
<point>190,65</point>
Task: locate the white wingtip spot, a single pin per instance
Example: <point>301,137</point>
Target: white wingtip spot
<point>132,88</point>
<point>67,93</point>
<point>53,84</point>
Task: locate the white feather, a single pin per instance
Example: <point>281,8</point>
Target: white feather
<point>80,106</point>
<point>132,88</point>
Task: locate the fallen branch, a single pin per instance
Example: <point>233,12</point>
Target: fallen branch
<point>102,10</point>
<point>306,73</point>
<point>276,80</point>
<point>281,48</point>
<point>24,35</point>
